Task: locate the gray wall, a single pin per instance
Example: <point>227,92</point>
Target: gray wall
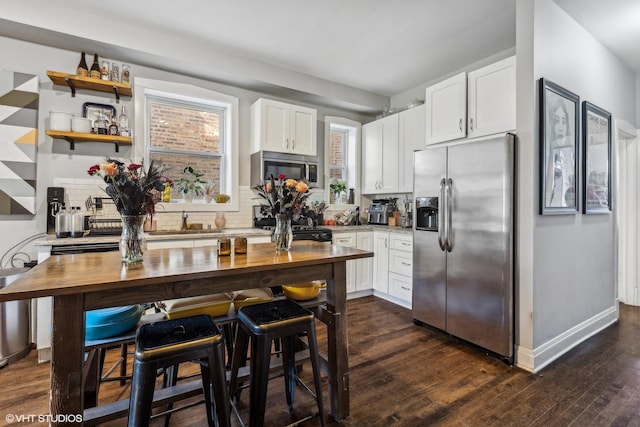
<point>55,159</point>
<point>567,281</point>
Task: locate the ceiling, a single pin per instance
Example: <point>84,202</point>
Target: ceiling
<point>351,54</point>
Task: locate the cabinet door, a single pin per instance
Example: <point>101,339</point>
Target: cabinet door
<point>302,131</point>
<point>381,261</point>
<point>273,124</point>
<point>364,267</point>
<point>411,137</point>
<point>492,98</point>
<point>401,262</point>
<point>199,243</point>
<point>400,287</point>
<point>389,154</point>
<point>169,244</point>
<point>446,110</point>
<point>348,240</point>
<point>371,157</point>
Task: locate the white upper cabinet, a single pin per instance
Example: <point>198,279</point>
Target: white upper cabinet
<point>492,98</point>
<point>411,137</point>
<point>478,104</point>
<point>380,156</point>
<point>283,128</point>
<point>446,110</point>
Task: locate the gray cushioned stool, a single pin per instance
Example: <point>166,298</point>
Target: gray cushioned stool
<point>170,342</point>
<point>264,323</point>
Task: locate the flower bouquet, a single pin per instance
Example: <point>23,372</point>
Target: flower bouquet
<point>283,199</point>
<point>134,192</point>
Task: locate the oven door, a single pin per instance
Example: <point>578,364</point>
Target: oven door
<point>81,249</point>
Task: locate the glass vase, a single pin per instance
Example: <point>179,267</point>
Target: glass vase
<point>282,234</point>
<point>132,242</point>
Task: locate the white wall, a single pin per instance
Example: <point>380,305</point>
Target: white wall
<point>55,159</point>
<point>571,281</point>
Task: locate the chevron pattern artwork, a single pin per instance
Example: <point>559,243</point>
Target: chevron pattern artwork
<point>18,142</point>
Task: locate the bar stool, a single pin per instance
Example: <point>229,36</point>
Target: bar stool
<point>170,342</point>
<point>264,323</point>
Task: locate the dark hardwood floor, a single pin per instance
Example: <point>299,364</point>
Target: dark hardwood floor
<point>405,375</point>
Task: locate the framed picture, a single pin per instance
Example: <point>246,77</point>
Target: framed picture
<point>596,133</point>
<point>559,149</point>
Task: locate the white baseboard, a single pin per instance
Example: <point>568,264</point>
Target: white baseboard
<point>536,359</point>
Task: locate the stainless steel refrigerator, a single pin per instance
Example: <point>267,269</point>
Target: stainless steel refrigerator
<point>463,241</point>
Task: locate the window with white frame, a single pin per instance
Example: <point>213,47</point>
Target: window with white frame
<point>338,153</point>
<point>184,125</point>
<point>189,133</point>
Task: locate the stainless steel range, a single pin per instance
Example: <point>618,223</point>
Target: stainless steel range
<point>304,228</point>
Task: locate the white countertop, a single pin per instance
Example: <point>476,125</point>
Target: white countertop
<point>52,240</point>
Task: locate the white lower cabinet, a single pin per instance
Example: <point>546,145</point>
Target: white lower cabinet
<point>348,240</point>
<point>358,271</point>
<point>401,266</point>
<point>393,266</point>
<point>381,261</point>
<point>364,266</point>
<point>400,286</point>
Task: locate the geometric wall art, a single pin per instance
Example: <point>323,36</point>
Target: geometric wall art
<point>18,142</point>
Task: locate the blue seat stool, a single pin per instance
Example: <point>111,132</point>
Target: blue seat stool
<point>171,342</point>
<point>262,324</point>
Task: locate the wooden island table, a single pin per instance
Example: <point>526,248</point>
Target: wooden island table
<point>90,281</point>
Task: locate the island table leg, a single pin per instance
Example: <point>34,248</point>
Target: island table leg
<point>67,345</point>
<point>337,337</point>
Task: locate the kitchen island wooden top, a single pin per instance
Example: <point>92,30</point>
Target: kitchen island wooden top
<point>97,272</point>
<point>88,281</point>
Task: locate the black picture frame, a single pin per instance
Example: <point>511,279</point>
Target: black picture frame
<point>596,167</point>
<point>559,149</point>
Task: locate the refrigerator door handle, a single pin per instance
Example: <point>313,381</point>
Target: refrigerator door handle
<point>449,207</point>
<point>441,216</point>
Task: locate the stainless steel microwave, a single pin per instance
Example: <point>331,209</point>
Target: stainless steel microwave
<point>267,163</point>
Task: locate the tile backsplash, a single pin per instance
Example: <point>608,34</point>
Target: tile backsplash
<point>77,191</point>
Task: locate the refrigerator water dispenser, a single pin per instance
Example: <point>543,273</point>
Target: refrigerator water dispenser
<point>427,213</point>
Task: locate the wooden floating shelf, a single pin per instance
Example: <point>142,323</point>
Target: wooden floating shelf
<point>73,137</point>
<point>77,82</point>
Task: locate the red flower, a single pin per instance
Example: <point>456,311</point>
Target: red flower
<point>168,181</point>
<point>134,166</point>
<point>93,170</point>
<point>282,176</point>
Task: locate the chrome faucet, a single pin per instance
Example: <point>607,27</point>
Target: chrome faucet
<point>184,221</point>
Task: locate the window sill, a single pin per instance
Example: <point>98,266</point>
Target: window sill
<point>196,206</point>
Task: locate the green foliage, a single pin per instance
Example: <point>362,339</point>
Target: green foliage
<point>190,182</point>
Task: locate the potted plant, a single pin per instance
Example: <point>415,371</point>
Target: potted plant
<point>190,184</point>
<point>337,188</point>
<point>209,190</point>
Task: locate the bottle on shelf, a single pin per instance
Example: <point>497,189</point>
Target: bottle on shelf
<point>100,125</point>
<point>83,70</point>
<point>104,71</point>
<point>94,73</point>
<point>115,72</point>
<point>113,127</point>
<point>125,76</point>
<point>123,122</point>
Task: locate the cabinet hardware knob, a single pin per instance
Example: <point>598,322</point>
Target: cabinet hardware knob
<point>460,125</point>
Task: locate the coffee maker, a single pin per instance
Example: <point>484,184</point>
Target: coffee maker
<point>379,212</point>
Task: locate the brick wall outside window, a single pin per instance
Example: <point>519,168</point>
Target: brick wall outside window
<point>185,129</point>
